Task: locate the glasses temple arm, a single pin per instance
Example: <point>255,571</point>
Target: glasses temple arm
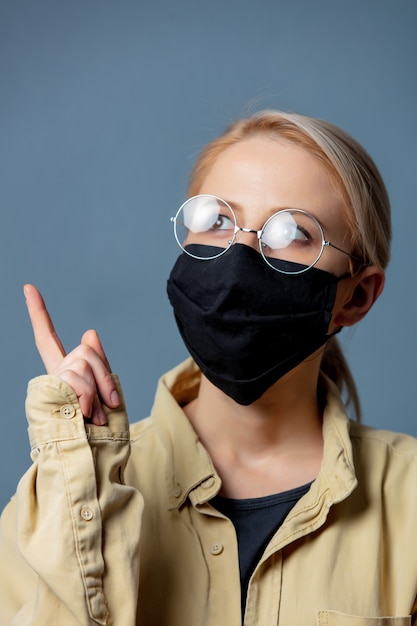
<point>349,254</point>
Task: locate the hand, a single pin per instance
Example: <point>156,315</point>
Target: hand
<point>86,369</point>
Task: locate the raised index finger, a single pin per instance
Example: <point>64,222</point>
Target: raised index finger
<point>47,341</point>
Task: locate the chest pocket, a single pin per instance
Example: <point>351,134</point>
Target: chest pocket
<point>333,618</point>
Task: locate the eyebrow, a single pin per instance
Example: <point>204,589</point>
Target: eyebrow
<point>237,208</point>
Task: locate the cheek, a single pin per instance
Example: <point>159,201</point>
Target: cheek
<point>334,262</point>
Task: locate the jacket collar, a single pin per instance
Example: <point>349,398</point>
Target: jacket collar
<point>336,479</point>
<point>337,473</point>
<point>189,470</point>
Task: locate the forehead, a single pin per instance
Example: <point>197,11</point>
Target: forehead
<point>263,174</point>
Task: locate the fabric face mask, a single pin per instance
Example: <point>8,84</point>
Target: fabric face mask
<point>245,324</point>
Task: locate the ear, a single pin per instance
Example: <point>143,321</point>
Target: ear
<point>357,296</point>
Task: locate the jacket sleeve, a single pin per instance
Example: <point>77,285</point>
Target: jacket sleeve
<point>69,538</point>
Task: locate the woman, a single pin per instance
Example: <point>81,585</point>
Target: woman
<point>248,495</point>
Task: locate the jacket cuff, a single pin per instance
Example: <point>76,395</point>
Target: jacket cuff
<point>54,414</point>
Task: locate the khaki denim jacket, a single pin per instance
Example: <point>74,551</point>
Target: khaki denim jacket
<point>113,525</point>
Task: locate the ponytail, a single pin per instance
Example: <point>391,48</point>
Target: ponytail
<point>335,367</point>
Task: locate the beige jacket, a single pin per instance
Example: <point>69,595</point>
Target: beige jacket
<point>95,536</point>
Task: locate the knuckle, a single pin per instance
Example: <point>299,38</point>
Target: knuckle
<point>83,367</point>
<point>107,379</point>
<point>84,351</point>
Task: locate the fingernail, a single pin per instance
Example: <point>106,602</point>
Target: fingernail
<point>115,398</point>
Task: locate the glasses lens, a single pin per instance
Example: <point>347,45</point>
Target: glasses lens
<point>291,241</point>
<point>204,226</point>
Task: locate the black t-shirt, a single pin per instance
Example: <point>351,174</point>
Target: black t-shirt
<point>256,520</point>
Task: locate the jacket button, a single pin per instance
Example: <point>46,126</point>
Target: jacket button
<point>86,514</point>
<point>67,411</point>
<point>216,548</point>
<point>209,482</point>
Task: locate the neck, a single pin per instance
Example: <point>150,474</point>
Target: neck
<point>273,444</point>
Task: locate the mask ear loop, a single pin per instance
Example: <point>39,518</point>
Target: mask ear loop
<point>349,274</point>
<point>354,271</point>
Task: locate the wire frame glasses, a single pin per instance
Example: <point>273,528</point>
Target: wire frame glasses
<point>291,241</point>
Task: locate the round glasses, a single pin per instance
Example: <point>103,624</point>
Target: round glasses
<point>291,241</point>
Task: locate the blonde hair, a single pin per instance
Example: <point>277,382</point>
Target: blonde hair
<point>356,176</point>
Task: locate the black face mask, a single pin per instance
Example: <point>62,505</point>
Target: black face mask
<point>245,324</point>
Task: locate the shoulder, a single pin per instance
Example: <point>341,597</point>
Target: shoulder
<point>144,438</point>
<point>150,440</point>
<point>371,444</point>
<point>387,441</point>
<point>142,428</point>
<point>146,458</point>
<point>386,460</point>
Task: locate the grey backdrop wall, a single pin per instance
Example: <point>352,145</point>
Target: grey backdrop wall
<point>104,105</point>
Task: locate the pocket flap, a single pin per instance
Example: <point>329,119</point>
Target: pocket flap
<point>334,618</point>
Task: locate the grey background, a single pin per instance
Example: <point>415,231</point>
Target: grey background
<point>104,105</point>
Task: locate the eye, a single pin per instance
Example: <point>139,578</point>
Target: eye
<point>223,222</point>
<point>286,229</point>
<point>300,233</point>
